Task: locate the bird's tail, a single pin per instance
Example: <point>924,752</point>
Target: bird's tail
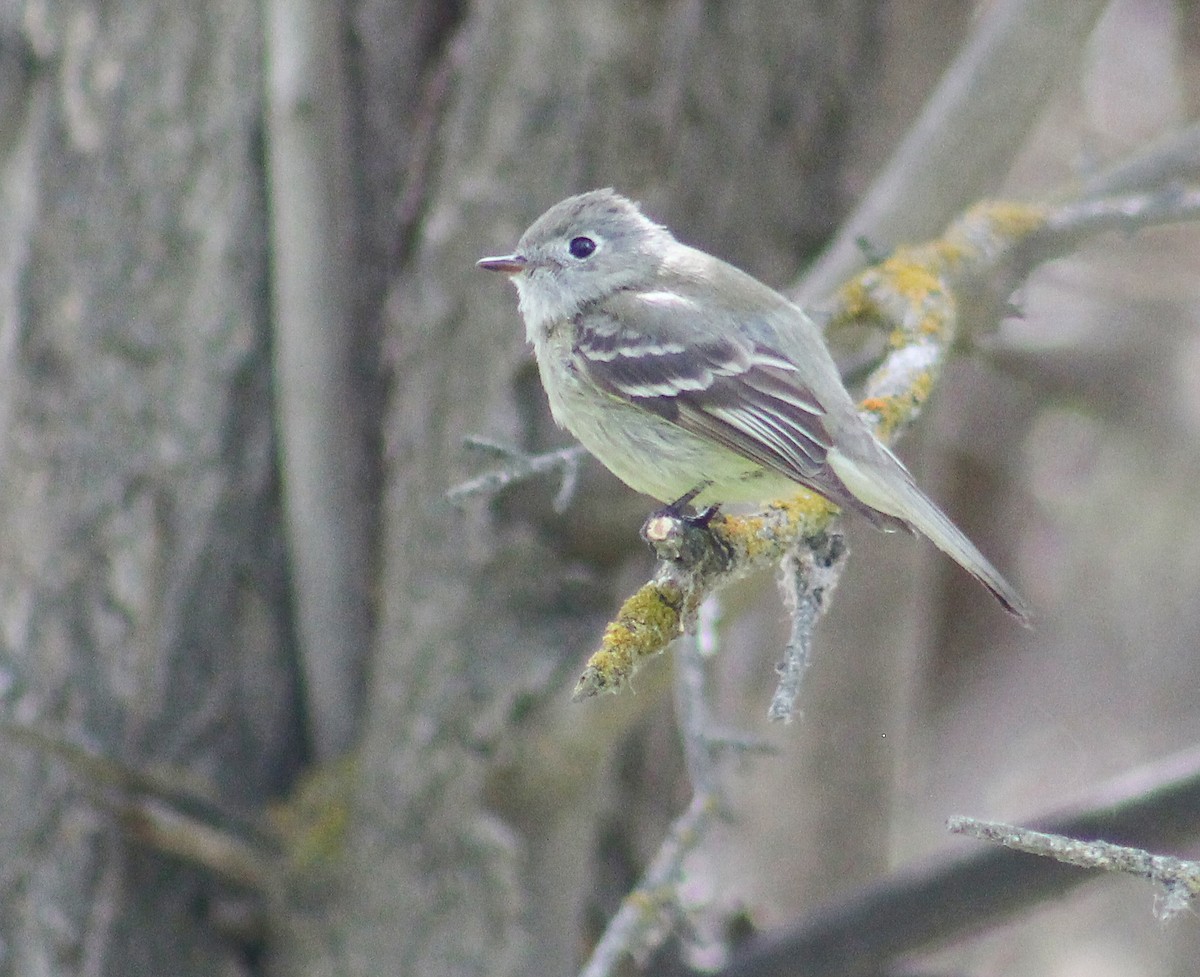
<point>894,493</point>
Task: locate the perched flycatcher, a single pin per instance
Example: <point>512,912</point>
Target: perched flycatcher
<point>683,374</point>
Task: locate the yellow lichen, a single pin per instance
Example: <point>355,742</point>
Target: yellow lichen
<point>647,622</point>
<point>1010,221</point>
<point>312,822</point>
<point>807,513</point>
<point>910,279</point>
<point>892,413</point>
<point>856,306</point>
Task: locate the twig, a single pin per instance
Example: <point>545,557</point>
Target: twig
<point>924,908</point>
<point>518,465</point>
<point>159,809</point>
<point>691,699</point>
<point>807,579</point>
<point>170,831</point>
<point>1174,158</point>
<point>632,929</point>
<point>640,924</point>
<point>1179,878</point>
<point>1070,223</point>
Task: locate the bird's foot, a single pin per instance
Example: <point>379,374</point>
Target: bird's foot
<point>679,509</point>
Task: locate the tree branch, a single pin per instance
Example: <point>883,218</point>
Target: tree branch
<point>964,137</point>
<point>317,396</point>
<point>1179,878</point>
<point>642,921</point>
<point>918,296</point>
<point>517,466</point>
<point>924,908</point>
<point>807,579</point>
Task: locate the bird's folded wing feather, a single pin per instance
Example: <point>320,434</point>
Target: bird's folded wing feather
<point>717,382</point>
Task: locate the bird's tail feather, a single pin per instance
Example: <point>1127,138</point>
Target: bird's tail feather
<point>897,495</point>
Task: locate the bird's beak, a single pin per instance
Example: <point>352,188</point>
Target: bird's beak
<point>510,264</point>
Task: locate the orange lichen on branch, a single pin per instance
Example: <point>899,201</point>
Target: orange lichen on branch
<point>914,295</point>
<point>890,414</point>
<point>767,535</point>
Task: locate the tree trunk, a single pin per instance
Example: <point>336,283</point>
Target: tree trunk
<point>145,594</point>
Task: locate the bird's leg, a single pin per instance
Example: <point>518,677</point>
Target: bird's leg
<point>685,537</point>
<point>675,510</point>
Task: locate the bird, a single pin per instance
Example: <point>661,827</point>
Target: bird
<point>692,381</point>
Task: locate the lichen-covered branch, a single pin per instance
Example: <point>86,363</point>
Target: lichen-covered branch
<point>643,920</point>
<point>918,296</point>
<point>807,579</point>
<point>914,296</point>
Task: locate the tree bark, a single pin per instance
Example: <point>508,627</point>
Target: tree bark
<point>143,587</point>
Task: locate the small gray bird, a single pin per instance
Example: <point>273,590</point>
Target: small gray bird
<point>689,378</point>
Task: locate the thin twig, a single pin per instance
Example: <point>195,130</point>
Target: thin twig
<point>923,908</point>
<point>518,465</point>
<point>1179,878</point>
<point>807,579</point>
<point>1174,158</point>
<point>642,922</point>
<point>161,809</point>
<point>1069,223</point>
<point>691,699</point>
<point>632,929</point>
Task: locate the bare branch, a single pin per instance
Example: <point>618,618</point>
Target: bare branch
<point>807,579</point>
<point>691,700</point>
<point>169,830</point>
<point>163,808</point>
<point>1069,224</point>
<point>923,908</point>
<point>319,412</point>
<point>1179,878</point>
<point>519,466</point>
<point>1173,159</point>
<point>633,929</point>
<point>643,921</point>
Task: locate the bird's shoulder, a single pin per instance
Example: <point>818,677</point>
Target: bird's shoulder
<point>696,298</point>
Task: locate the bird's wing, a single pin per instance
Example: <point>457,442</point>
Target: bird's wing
<point>715,382</point>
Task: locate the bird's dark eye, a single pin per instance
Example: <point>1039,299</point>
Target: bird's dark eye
<point>581,247</point>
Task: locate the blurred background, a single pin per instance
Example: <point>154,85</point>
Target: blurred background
<point>243,342</point>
